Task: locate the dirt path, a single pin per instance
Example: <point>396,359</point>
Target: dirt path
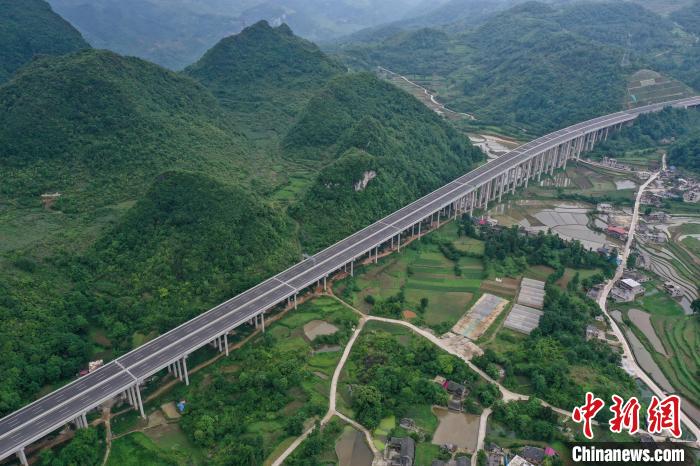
<point>483,420</point>
<point>106,420</point>
<point>429,94</point>
<point>332,404</point>
<point>628,361</point>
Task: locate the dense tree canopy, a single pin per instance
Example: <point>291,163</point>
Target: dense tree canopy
<point>391,377</point>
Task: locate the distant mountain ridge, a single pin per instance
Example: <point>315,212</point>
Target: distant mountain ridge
<point>30,28</point>
<point>521,69</point>
<point>175,33</point>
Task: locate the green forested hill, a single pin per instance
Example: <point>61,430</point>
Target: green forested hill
<point>264,70</point>
<point>532,73</point>
<point>685,153</point>
<point>534,67</point>
<point>680,127</point>
<point>619,23</point>
<point>29,28</point>
<point>189,244</point>
<point>96,127</point>
<point>364,126</point>
<point>689,17</point>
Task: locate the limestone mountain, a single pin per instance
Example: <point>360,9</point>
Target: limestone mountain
<point>98,127</point>
<point>381,149</point>
<point>29,28</point>
<point>264,69</point>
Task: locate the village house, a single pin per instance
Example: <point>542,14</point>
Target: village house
<point>594,292</point>
<point>518,460</point>
<point>401,451</point>
<point>455,389</point>
<point>626,290</point>
<point>495,455</point>
<point>655,235</point>
<point>658,217</point>
<point>604,208</point>
<point>673,289</point>
<point>407,423</point>
<point>457,392</point>
<point>617,232</point>
<point>652,199</point>
<point>536,455</point>
<point>635,275</point>
<point>593,332</point>
<point>691,196</point>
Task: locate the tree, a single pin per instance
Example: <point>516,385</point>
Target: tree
<point>695,306</point>
<point>367,402</point>
<point>295,424</point>
<point>83,450</point>
<point>424,303</point>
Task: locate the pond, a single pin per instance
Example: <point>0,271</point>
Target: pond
<point>460,429</point>
<point>316,328</point>
<point>624,184</point>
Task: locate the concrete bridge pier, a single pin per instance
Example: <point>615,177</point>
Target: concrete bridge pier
<point>81,422</point>
<point>138,399</point>
<point>529,168</point>
<point>472,197</point>
<point>552,162</point>
<point>134,396</point>
<point>486,198</point>
<point>22,457</point>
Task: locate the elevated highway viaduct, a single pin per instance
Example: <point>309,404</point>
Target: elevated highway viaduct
<point>474,190</point>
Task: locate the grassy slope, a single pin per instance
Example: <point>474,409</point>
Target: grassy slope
<point>30,28</point>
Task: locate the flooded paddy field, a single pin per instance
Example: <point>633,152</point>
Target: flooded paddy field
<point>568,219</point>
<point>642,320</point>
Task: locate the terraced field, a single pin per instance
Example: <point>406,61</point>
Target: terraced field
<point>679,335</point>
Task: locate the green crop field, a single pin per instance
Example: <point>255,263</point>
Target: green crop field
<point>422,271</point>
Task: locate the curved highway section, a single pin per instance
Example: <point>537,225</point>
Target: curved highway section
<point>475,189</point>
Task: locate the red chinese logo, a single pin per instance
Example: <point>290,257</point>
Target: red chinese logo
<point>664,415</point>
<point>661,415</point>
<point>587,412</point>
<point>626,416</point>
